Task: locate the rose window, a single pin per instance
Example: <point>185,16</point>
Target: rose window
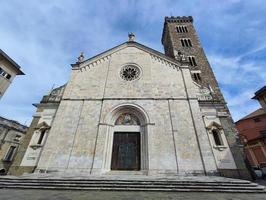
<point>130,72</point>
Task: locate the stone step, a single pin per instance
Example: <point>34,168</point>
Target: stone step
<point>116,184</point>
<point>138,189</point>
<point>161,183</point>
<point>122,180</point>
<point>99,185</point>
<point>131,181</point>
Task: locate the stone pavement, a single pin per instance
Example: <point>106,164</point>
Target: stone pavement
<point>15,194</point>
<point>261,181</point>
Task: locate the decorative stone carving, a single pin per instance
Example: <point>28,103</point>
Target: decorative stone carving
<point>42,126</point>
<point>81,57</point>
<point>55,95</point>
<point>204,94</point>
<point>130,72</point>
<point>131,37</point>
<point>164,61</point>
<point>180,56</point>
<point>127,119</point>
<point>214,125</point>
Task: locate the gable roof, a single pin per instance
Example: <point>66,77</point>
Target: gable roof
<point>259,92</point>
<point>256,113</point>
<point>129,44</point>
<point>12,62</point>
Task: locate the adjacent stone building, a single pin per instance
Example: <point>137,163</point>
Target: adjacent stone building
<point>134,110</point>
<point>252,131</point>
<point>11,135</point>
<point>29,151</point>
<point>8,70</point>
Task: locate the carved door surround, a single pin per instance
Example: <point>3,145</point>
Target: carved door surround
<point>129,119</point>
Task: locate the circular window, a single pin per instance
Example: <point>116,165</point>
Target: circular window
<point>130,72</point>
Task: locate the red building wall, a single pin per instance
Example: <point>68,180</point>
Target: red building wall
<point>252,132</point>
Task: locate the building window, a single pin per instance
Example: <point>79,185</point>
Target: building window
<point>217,138</point>
<point>130,72</point>
<point>186,42</point>
<point>8,76</point>
<point>192,61</point>
<point>181,29</point>
<point>197,77</point>
<point>4,73</point>
<point>10,154</point>
<point>41,137</point>
<point>257,120</point>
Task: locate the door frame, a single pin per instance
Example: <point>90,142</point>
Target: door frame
<point>137,151</point>
<point>144,127</point>
<point>110,140</point>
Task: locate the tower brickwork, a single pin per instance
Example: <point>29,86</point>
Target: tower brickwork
<point>180,38</point>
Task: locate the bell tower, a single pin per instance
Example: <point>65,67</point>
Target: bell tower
<point>179,37</point>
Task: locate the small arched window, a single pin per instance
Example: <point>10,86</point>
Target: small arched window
<point>189,43</point>
<point>186,42</point>
<point>42,133</point>
<point>217,137</point>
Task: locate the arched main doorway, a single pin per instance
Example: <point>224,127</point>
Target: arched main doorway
<point>126,145</point>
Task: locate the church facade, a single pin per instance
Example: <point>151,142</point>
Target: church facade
<point>133,110</point>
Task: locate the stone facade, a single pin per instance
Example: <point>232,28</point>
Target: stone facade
<point>11,135</point>
<point>28,153</point>
<point>180,132</point>
<point>81,136</point>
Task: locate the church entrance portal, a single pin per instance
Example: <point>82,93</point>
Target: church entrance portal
<point>126,151</point>
<point>126,147</point>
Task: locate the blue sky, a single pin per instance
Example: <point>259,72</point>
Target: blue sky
<point>45,37</point>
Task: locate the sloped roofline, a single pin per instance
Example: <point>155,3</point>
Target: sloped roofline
<point>259,92</point>
<point>12,62</point>
<point>254,114</point>
<point>128,44</point>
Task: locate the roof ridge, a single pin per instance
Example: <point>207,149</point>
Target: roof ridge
<point>129,43</point>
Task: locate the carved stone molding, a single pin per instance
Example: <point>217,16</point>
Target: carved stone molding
<point>163,61</point>
<point>94,63</point>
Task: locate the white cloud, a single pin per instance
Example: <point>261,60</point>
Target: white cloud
<point>239,81</point>
<point>45,37</point>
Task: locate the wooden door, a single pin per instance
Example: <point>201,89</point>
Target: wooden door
<point>126,151</point>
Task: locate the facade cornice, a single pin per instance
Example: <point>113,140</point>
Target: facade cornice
<point>113,98</point>
<point>105,56</point>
